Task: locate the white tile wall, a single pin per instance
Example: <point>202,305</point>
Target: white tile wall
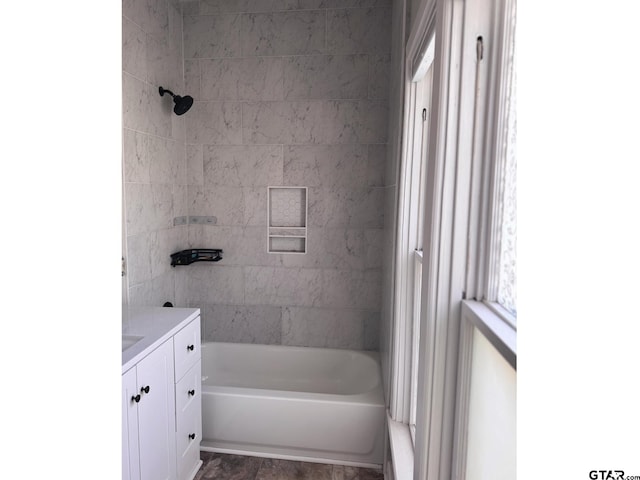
<point>211,36</point>
<point>287,92</point>
<point>329,328</point>
<point>154,156</point>
<point>214,123</point>
<point>283,33</point>
<point>326,77</point>
<point>226,203</point>
<point>256,78</point>
<point>310,79</point>
<point>242,324</point>
<point>209,285</point>
<point>278,286</point>
<point>315,122</point>
<point>243,166</point>
<point>359,30</point>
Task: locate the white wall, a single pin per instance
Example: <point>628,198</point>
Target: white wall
<point>491,447</point>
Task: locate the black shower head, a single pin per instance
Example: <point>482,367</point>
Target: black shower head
<point>182,104</point>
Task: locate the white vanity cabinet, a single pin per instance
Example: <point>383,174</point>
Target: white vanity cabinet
<point>149,403</point>
<point>161,399</point>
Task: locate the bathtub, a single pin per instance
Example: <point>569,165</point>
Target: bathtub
<point>296,403</point>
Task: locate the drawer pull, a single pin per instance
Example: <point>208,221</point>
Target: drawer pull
<point>145,389</point>
<point>192,436</point>
<point>191,392</point>
<point>136,398</point>
<point>190,347</point>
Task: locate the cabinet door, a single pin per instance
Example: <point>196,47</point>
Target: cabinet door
<point>130,457</point>
<point>156,415</point>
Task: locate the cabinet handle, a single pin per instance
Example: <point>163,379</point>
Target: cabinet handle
<point>145,389</point>
<point>192,436</point>
<point>191,392</point>
<point>190,347</point>
<point>136,398</point>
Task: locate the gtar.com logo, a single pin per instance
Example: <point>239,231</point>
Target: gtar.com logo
<point>606,475</point>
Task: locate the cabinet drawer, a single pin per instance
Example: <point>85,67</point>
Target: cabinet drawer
<point>188,422</point>
<point>186,347</point>
<point>190,426</point>
<point>188,391</point>
<point>189,461</point>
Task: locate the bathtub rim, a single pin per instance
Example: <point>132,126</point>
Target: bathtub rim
<point>372,397</point>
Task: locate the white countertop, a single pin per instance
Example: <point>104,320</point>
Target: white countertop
<point>155,325</point>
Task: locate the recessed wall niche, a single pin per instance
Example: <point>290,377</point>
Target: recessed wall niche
<point>287,220</point>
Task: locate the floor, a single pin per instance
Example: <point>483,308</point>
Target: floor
<point>235,467</point>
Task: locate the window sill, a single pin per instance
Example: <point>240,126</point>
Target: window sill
<point>499,332</point>
<point>401,449</point>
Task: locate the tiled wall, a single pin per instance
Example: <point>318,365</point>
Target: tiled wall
<point>154,162</point>
<point>288,92</point>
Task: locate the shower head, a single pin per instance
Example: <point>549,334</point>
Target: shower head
<point>182,104</point>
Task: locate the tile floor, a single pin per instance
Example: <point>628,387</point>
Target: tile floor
<point>235,467</point>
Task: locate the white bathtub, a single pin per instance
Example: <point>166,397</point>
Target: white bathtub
<point>297,403</point>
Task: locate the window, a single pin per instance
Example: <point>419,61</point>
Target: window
<point>468,251</point>
<point>406,387</point>
<point>506,189</point>
<point>485,435</point>
<point>411,226</point>
<point>419,172</point>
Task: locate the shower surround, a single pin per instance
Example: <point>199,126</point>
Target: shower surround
<point>287,93</point>
<point>154,161</point>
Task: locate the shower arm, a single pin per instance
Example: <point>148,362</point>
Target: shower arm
<point>164,90</point>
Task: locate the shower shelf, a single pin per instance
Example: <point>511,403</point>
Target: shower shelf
<point>287,220</point>
<point>192,255</point>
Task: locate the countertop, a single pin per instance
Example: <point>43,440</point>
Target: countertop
<point>155,325</point>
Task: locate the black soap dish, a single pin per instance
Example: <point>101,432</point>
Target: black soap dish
<point>187,257</point>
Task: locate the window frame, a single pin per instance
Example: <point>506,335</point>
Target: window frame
<point>410,239</point>
<point>423,83</point>
<point>402,438</point>
<point>457,212</point>
<point>485,235</point>
<point>411,208</point>
<point>407,236</point>
<point>481,310</point>
<point>413,389</point>
<point>481,307</point>
<point>504,20</point>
